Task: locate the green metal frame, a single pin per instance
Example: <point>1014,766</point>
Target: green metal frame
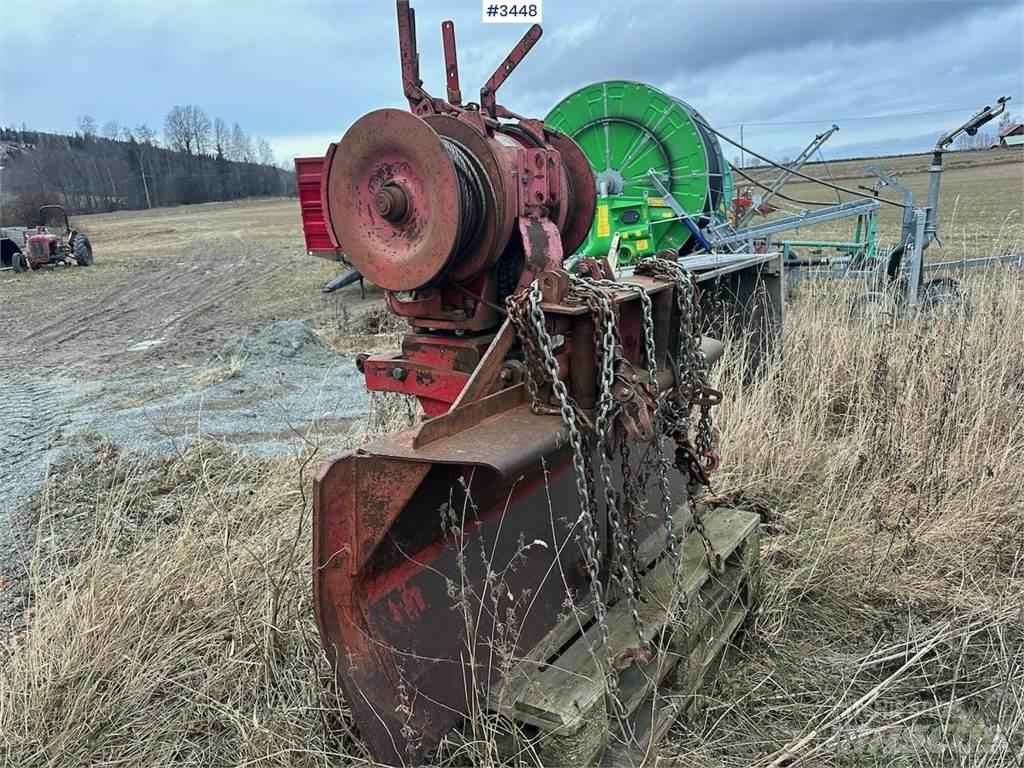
<point>862,250</point>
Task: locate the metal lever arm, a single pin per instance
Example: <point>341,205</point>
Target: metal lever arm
<point>488,94</point>
<point>451,62</point>
<point>419,100</point>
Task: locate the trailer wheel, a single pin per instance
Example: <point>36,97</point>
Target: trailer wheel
<point>943,294</point>
<point>82,250</point>
<point>875,308</point>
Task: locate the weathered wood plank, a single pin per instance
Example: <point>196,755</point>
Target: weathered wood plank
<point>558,695</point>
<point>656,714</point>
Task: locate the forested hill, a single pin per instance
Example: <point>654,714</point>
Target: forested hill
<point>88,173</point>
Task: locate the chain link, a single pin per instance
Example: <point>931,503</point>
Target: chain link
<point>528,318</point>
<point>694,458</point>
<point>673,417</point>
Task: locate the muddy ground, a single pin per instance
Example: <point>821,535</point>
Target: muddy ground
<point>201,319</point>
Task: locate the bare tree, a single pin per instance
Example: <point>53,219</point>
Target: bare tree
<point>241,145</point>
<point>265,151</point>
<point>177,131</point>
<point>87,126</point>
<point>144,134</point>
<point>221,138</point>
<point>200,126</point>
<point>187,129</point>
<point>111,130</point>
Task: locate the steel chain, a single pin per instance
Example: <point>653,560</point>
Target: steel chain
<point>692,388</point>
<point>600,302</point>
<point>672,418</point>
<point>528,317</point>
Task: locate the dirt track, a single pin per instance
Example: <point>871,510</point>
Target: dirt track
<point>195,320</point>
<point>167,286</point>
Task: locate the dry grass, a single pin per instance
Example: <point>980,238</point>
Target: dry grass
<point>889,464</point>
<point>171,618</point>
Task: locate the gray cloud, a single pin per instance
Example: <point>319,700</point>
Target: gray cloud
<point>301,72</point>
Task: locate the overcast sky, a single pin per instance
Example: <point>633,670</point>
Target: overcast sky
<point>300,71</point>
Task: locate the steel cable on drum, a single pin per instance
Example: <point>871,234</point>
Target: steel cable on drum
<point>472,204</point>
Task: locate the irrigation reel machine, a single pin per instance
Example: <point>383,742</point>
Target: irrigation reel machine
<point>663,182</point>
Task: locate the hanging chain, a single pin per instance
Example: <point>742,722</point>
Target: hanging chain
<point>526,314</point>
<point>697,457</point>
<point>672,417</point>
<point>606,330</point>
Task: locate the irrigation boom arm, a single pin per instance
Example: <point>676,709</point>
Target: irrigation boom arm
<point>783,177</point>
<point>935,172</point>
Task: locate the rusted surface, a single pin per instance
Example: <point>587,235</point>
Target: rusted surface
<point>580,198</point>
<point>499,196</point>
<point>451,62</point>
<point>488,94</point>
<point>469,415</point>
<point>419,101</point>
<point>540,181</point>
<point>389,614</point>
<point>542,248</point>
<point>485,377</point>
<point>441,548</point>
<point>391,149</point>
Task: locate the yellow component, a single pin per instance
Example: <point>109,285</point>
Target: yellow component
<point>656,202</point>
<point>667,215</point>
<point>603,227</point>
<point>641,245</point>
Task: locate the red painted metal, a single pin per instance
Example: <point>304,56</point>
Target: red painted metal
<point>391,150</point>
<point>38,247</point>
<point>419,101</point>
<point>434,369</point>
<point>489,93</point>
<point>402,523</point>
<point>451,63</point>
<point>308,177</point>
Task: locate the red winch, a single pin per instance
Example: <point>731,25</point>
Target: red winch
<point>568,426</point>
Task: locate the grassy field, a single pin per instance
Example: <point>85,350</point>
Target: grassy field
<point>173,624</point>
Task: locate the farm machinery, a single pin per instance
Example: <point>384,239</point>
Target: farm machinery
<point>52,243</point>
<point>540,558</point>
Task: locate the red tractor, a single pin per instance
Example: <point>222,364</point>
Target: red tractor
<point>52,243</point>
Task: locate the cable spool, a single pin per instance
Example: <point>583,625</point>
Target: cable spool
<point>407,205</point>
<point>720,185</point>
<point>471,196</point>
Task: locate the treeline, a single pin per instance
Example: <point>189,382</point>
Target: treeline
<point>110,167</point>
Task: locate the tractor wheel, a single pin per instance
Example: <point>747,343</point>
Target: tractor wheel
<point>82,250</point>
<point>18,262</point>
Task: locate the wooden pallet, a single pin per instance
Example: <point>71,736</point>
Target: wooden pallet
<point>557,695</point>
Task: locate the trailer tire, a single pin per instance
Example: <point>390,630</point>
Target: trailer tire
<point>82,250</point>
<point>943,294</point>
<point>875,309</point>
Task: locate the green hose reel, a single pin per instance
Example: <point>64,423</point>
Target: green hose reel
<point>629,131</point>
